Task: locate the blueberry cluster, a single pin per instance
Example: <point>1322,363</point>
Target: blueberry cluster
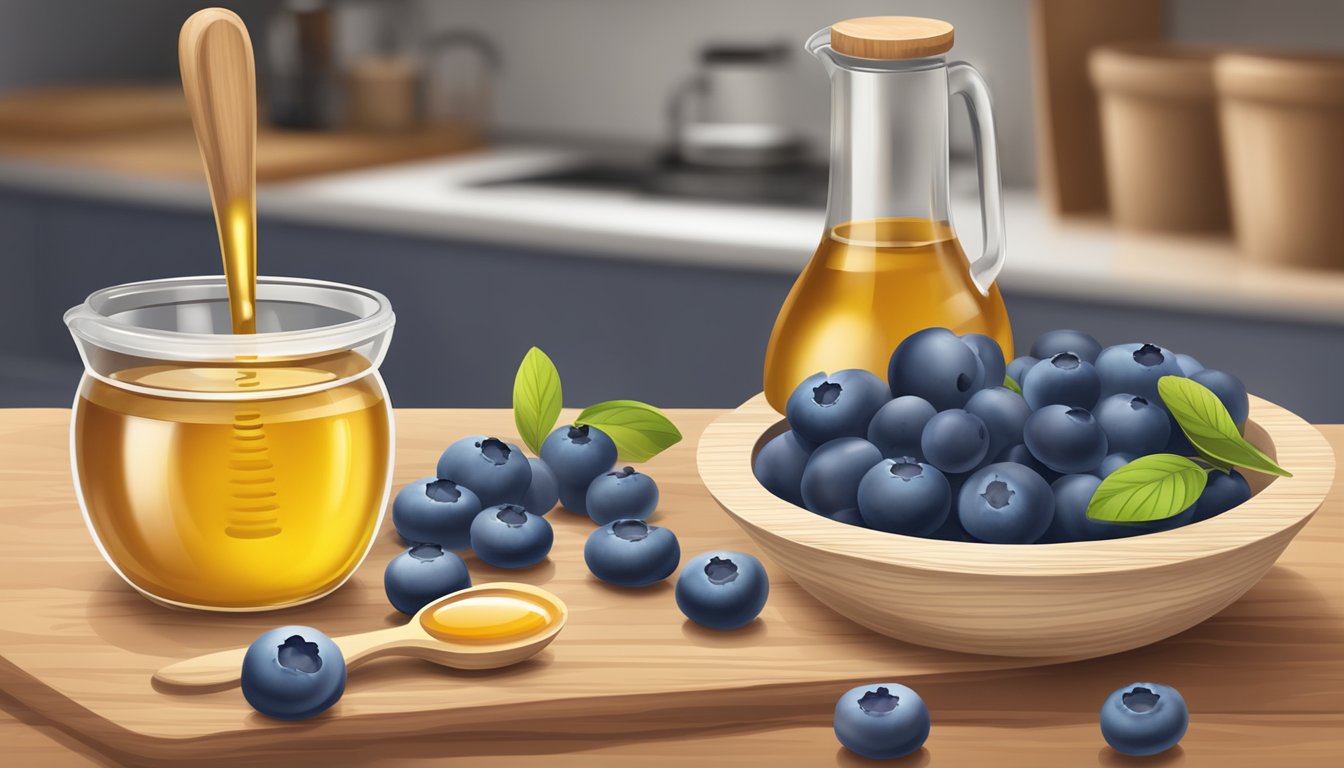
<point>948,447</point>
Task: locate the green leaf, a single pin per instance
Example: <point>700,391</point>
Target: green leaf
<point>1204,419</point>
<point>1151,487</point>
<point>1009,383</point>
<point>537,398</point>
<point>639,430</point>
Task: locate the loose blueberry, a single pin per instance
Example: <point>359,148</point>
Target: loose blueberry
<point>904,496</point>
<point>722,590</point>
<point>1230,391</point>
<point>1224,491</point>
<point>991,358</point>
<point>631,553</point>
<point>508,536</point>
<point>293,673</point>
<point>936,365</point>
<point>825,407</point>
<point>1006,504</point>
<point>1064,379</point>
<point>1051,343</point>
<point>576,455</point>
<point>882,721</point>
<point>1133,424</point>
<point>955,441</point>
<point>1019,368</point>
<point>1020,454</point>
<point>1112,463</point>
<point>1189,366</point>
<point>1144,719</point>
<point>435,511</point>
<point>544,491</point>
<point>1005,414</point>
<point>1135,368</point>
<point>831,478</point>
<point>421,575</point>
<point>897,426</point>
<point>1067,440</point>
<point>497,471</point>
<point>1072,494</point>
<point>779,466</point>
<point>620,495</point>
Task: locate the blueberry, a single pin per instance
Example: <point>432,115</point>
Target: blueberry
<point>544,491</point>
<point>1051,343</point>
<point>576,455</point>
<point>1020,454</point>
<point>722,590</point>
<point>1113,462</point>
<point>1067,440</point>
<point>904,496</point>
<point>508,536</point>
<point>435,511</point>
<point>1005,414</point>
<point>1072,494</point>
<point>825,407</point>
<point>631,553</point>
<point>1064,379</point>
<point>421,575</point>
<point>896,427</point>
<point>936,365</point>
<point>622,495</point>
<point>882,721</point>
<point>498,472</point>
<point>955,441</point>
<point>293,673</point>
<point>848,517</point>
<point>1230,391</point>
<point>779,466</point>
<point>1006,504</point>
<point>1019,368</point>
<point>1133,424</point>
<point>991,358</point>
<point>1135,368</point>
<point>1224,491</point>
<point>1189,365</point>
<point>831,479</point>
<point>1144,719</point>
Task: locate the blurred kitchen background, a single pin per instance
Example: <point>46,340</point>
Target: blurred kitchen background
<point>633,185</point>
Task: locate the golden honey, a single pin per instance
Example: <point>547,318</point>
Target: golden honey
<point>871,284</point>
<point>205,500</point>
<point>490,617</point>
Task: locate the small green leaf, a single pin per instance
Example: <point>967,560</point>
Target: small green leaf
<point>1009,383</point>
<point>639,430</point>
<point>537,398</point>
<point>1151,487</point>
<point>1208,425</point>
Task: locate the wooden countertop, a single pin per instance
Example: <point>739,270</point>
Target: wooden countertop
<point>1265,678</point>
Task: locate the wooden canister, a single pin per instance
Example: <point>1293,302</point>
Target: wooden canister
<point>1160,138</point>
<point>1283,126</point>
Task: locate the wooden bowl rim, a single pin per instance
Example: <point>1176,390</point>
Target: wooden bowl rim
<point>724,458</point>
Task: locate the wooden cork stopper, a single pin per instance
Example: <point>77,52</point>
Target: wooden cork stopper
<point>891,37</point>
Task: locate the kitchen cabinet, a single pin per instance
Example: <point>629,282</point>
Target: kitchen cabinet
<point>688,335</point>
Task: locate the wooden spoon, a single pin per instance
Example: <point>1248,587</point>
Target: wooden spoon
<point>220,81</point>
<point>483,627</point>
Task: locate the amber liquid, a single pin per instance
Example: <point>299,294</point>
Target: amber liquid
<point>492,617</point>
<point>235,504</point>
<point>869,285</point>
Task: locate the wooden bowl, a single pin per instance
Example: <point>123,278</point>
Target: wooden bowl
<point>1068,601</point>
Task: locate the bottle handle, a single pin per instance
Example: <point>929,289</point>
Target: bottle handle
<point>965,81</point>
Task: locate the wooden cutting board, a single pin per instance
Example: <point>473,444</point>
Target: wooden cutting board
<point>78,646</point>
<point>146,130</point>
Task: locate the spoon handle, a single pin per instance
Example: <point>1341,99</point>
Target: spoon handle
<point>220,82</point>
<point>221,670</point>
